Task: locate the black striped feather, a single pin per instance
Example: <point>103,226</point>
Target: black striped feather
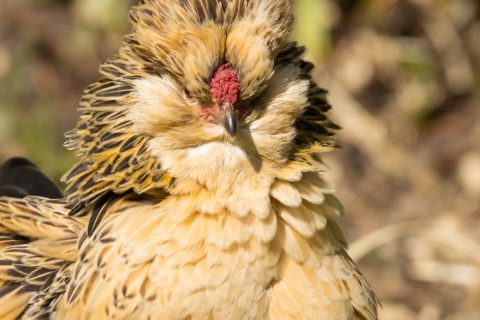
<point>38,241</point>
<point>113,159</point>
<point>315,132</point>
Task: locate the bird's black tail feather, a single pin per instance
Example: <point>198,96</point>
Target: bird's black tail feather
<point>19,178</point>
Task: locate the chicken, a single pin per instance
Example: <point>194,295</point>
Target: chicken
<point>200,192</point>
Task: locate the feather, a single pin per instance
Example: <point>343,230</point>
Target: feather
<point>166,214</point>
<point>286,194</point>
<point>301,219</point>
<point>13,301</point>
<point>306,289</point>
<point>293,243</point>
<point>38,217</point>
<point>98,212</point>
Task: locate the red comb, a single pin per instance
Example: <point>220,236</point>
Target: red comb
<point>225,85</point>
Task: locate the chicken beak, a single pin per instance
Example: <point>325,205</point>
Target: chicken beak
<point>230,119</point>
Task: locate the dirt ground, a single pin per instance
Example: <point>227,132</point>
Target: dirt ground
<point>404,80</point>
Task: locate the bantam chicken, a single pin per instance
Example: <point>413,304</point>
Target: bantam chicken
<point>199,193</point>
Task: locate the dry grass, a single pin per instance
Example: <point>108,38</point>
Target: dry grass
<point>404,81</point>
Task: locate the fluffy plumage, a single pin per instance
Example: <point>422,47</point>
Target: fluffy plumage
<point>170,216</point>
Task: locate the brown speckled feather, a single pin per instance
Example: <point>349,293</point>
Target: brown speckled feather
<point>37,240</point>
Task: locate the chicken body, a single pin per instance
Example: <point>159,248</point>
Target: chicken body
<point>199,193</point>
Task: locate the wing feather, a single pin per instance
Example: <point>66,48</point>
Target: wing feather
<point>318,280</point>
<point>38,241</point>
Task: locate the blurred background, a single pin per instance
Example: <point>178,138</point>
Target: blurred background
<point>404,80</point>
